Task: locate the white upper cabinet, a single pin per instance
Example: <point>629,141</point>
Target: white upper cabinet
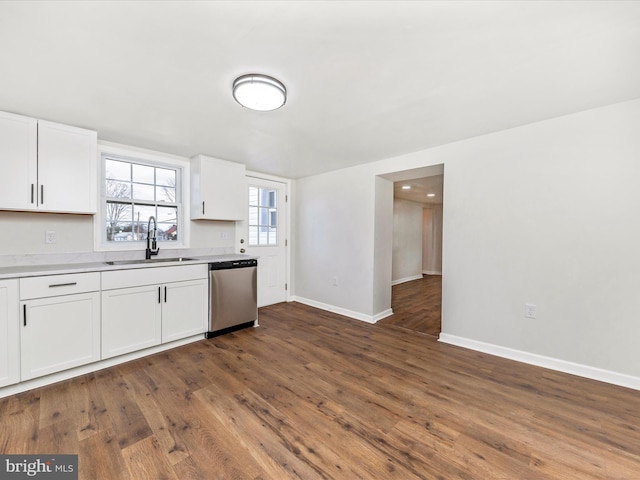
<point>218,189</point>
<point>18,161</point>
<point>67,168</point>
<point>47,166</point>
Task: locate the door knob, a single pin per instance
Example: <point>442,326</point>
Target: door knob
<point>242,250</point>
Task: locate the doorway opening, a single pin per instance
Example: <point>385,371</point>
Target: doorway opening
<point>416,298</point>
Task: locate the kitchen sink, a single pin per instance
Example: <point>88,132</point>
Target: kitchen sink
<point>151,260</point>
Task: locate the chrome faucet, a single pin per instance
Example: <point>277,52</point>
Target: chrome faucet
<point>152,249</point>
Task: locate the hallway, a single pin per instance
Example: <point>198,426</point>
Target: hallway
<point>417,305</point>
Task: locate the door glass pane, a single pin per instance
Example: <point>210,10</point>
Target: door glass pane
<point>253,196</point>
<point>253,235</point>
<point>273,236</point>
<point>263,216</point>
<point>253,215</point>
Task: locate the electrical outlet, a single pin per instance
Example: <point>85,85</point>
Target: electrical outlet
<point>225,236</point>
<point>50,237</point>
<point>529,310</point>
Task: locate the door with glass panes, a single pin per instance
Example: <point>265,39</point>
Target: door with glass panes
<point>264,237</point>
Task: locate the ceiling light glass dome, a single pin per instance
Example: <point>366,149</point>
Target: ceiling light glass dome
<point>259,92</point>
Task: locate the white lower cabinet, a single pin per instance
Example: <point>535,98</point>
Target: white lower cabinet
<point>61,328</point>
<point>9,333</point>
<point>130,319</point>
<point>140,316</point>
<point>51,323</point>
<point>184,311</point>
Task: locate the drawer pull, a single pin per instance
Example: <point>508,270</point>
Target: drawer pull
<point>70,284</point>
<point>24,311</point>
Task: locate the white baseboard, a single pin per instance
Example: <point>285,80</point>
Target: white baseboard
<point>406,279</point>
<point>343,311</point>
<point>551,363</point>
<point>431,272</point>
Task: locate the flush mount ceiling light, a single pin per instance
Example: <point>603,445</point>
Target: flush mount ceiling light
<point>259,92</point>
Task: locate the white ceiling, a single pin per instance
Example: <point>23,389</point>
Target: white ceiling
<point>366,80</point>
<point>420,189</point>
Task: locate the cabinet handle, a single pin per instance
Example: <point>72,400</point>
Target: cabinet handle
<point>159,298</point>
<point>32,189</point>
<point>70,284</point>
<point>203,208</point>
<point>165,294</point>
<point>24,314</point>
<point>41,194</point>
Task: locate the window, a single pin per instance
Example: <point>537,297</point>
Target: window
<point>263,216</point>
<point>133,192</point>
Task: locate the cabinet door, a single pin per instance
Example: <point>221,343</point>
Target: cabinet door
<point>131,319</point>
<point>184,309</point>
<point>218,189</point>
<point>59,333</point>
<point>67,168</point>
<point>9,333</point>
<point>18,161</point>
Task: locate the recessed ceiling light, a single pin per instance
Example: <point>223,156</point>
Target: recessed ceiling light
<point>431,194</point>
<point>406,187</point>
<point>259,92</point>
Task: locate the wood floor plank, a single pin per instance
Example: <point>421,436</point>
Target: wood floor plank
<point>100,457</point>
<point>145,392</point>
<point>121,411</point>
<point>144,460</point>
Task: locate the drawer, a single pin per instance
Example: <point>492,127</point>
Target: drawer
<point>55,285</point>
<point>137,277</point>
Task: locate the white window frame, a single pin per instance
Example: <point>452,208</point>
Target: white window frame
<point>146,157</point>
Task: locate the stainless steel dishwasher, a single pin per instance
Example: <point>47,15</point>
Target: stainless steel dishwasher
<point>233,296</point>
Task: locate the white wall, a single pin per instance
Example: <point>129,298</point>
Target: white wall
<point>383,244</point>
<point>334,240</point>
<point>24,233</point>
<point>407,240</point>
<point>547,213</point>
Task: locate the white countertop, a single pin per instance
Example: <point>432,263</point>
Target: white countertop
<point>20,271</point>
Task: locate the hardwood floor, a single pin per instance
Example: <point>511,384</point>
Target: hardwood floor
<point>417,305</point>
<point>311,395</point>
